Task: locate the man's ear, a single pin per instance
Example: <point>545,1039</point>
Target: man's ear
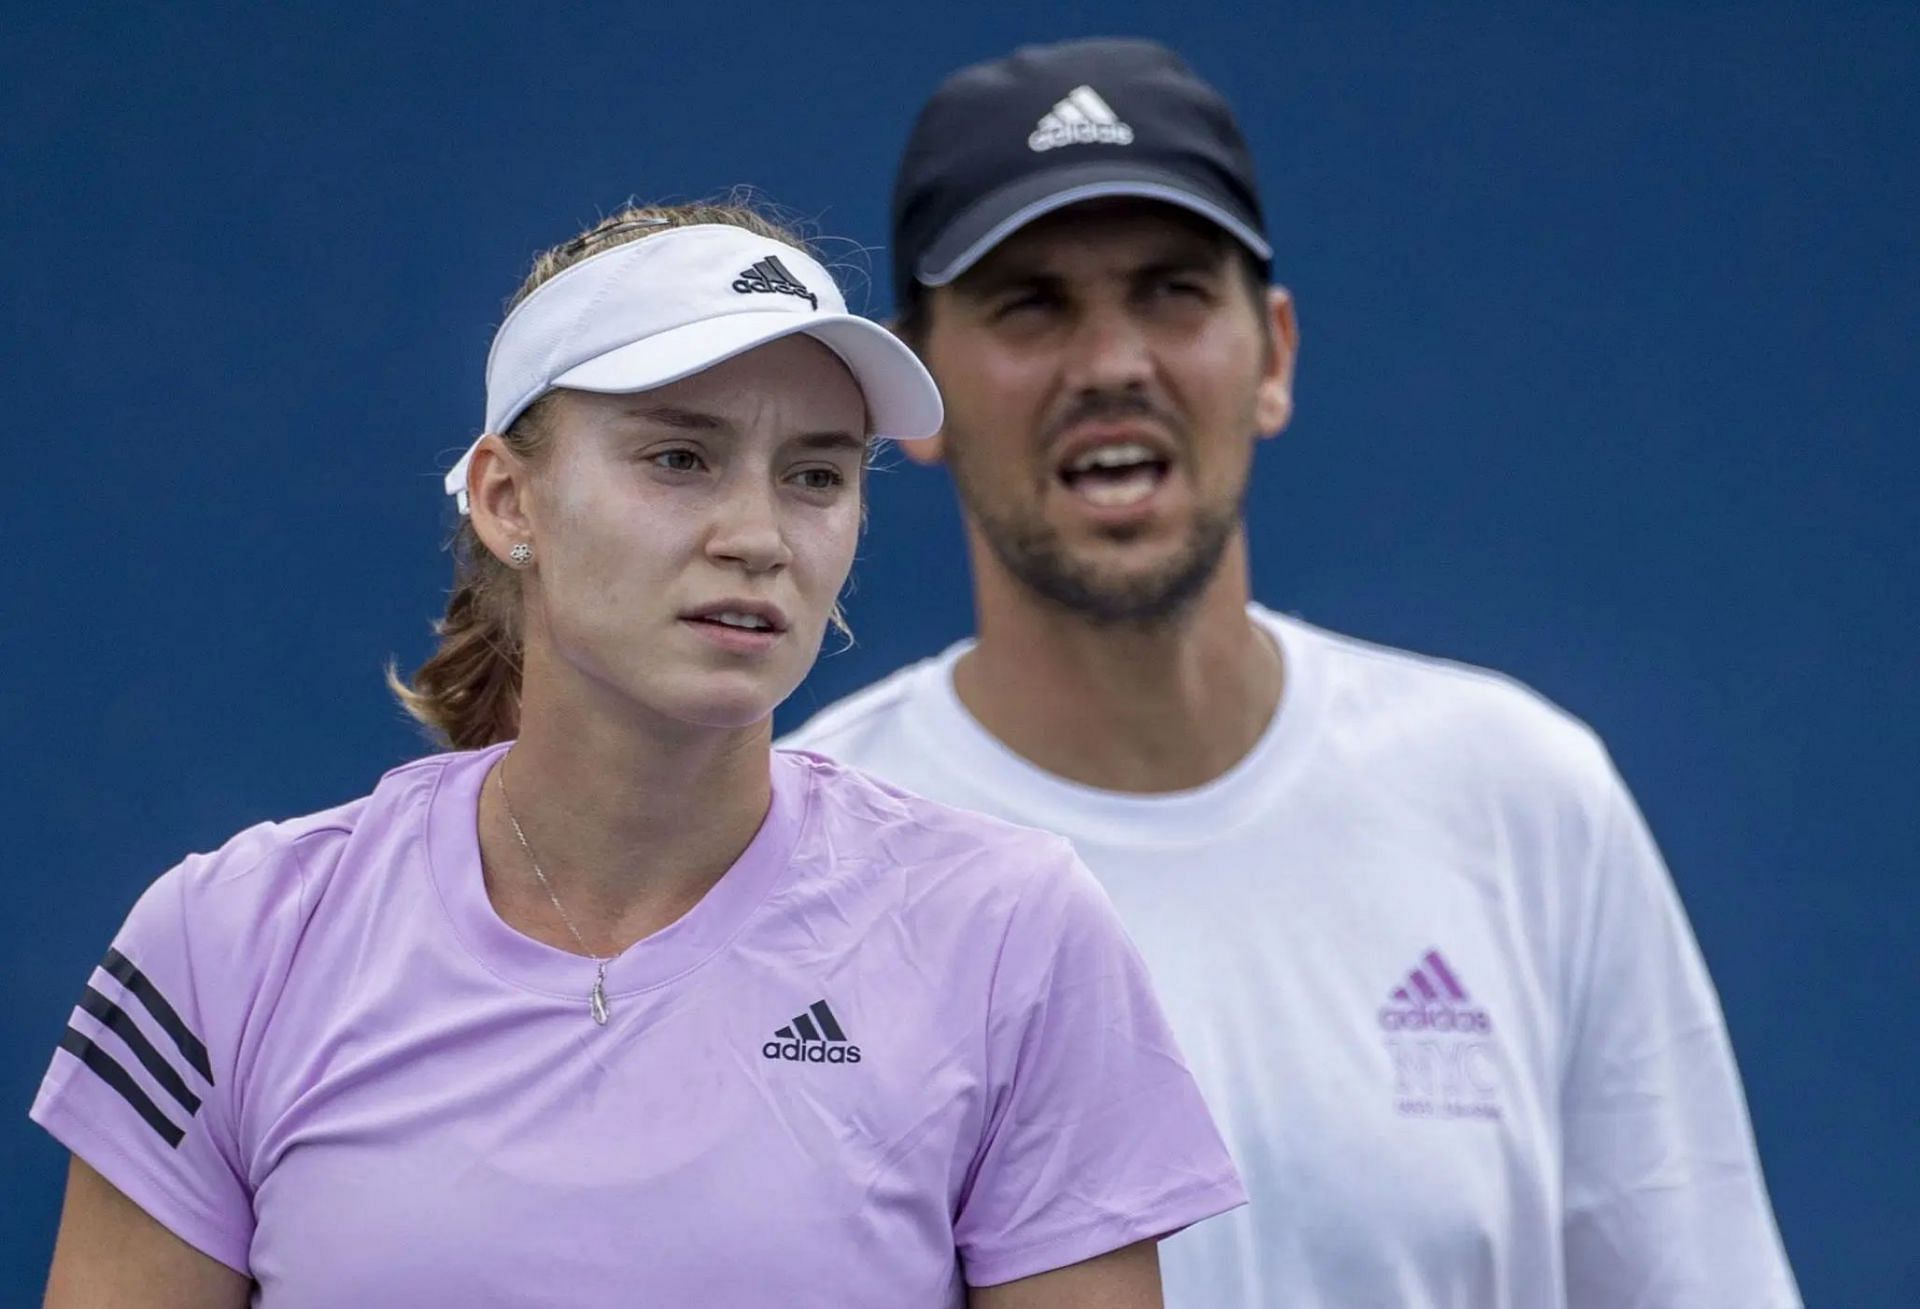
<point>497,497</point>
<point>929,450</point>
<point>1273,407</point>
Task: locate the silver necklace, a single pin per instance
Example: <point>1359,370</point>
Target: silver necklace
<point>597,998</point>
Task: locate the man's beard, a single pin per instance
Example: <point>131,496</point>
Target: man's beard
<point>1033,552</point>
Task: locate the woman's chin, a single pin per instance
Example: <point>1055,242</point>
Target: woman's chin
<point>723,707</point>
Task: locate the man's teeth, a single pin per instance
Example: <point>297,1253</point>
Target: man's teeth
<point>1111,491</point>
<point>1112,456</point>
<point>1115,475</point>
<point>732,619</point>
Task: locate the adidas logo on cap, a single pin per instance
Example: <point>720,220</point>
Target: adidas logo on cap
<point>769,275</point>
<point>1082,118</point>
<point>812,1038</point>
<point>1432,1000</point>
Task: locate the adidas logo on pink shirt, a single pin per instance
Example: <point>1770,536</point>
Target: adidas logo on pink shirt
<point>813,1037</point>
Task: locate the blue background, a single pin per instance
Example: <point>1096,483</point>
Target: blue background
<point>1607,382</point>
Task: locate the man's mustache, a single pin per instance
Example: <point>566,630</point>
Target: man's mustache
<point>1107,407</point>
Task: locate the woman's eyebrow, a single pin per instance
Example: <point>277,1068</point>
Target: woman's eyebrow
<point>831,441</point>
<point>698,420</point>
<point>685,420</point>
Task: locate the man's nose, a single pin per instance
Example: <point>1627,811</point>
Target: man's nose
<point>1111,351</point>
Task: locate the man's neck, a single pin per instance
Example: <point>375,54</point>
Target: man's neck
<point>632,822</point>
<point>1145,709</point>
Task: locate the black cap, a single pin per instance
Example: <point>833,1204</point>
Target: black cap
<point>1003,142</point>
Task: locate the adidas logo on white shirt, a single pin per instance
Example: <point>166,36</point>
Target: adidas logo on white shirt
<point>1081,118</point>
<point>1433,999</point>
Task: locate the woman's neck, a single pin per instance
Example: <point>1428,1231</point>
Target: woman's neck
<point>631,820</point>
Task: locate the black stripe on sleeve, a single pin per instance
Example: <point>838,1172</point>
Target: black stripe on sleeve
<point>119,966</point>
<point>103,1066</point>
<point>116,1020</point>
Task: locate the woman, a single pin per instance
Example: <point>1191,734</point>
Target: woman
<point>614,1005</point>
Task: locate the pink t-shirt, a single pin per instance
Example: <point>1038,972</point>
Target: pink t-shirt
<point>898,1047</point>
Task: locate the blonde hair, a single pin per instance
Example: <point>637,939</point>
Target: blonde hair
<point>467,694</point>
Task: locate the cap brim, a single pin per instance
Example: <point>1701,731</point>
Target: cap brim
<point>999,214</point>
<point>902,401</point>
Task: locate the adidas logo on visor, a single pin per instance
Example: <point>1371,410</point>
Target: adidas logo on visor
<point>814,1037</point>
<point>769,275</point>
<point>1082,118</point>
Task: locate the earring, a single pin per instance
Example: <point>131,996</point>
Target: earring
<point>521,555</point>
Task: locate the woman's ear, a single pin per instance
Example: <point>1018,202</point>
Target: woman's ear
<point>497,499</point>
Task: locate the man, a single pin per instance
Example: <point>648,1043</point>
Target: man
<point>1416,940</point>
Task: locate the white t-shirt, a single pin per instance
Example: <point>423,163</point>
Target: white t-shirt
<point>1433,978</point>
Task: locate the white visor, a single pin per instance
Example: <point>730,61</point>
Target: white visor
<point>652,311</point>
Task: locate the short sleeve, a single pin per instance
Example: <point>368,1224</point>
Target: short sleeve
<point>1097,1136</point>
<point>142,1080</point>
<point>1665,1203</point>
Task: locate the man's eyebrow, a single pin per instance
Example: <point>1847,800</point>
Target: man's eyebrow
<point>1192,259</point>
<point>1185,258</point>
<point>684,420</point>
<point>992,281</point>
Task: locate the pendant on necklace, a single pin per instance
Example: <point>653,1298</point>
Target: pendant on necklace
<point>598,1000</point>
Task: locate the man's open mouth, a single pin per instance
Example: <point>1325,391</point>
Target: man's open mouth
<point>1115,475</point>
